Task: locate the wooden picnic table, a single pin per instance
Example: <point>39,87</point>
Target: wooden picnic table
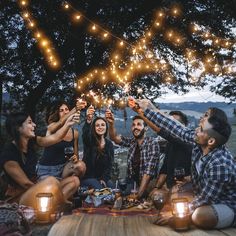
<point>106,225</point>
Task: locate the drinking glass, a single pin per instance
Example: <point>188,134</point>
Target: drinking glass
<point>69,152</point>
<point>158,201</point>
<point>179,173</point>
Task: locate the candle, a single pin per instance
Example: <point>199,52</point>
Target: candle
<point>116,184</point>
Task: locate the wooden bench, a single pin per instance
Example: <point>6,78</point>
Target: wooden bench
<point>104,225</point>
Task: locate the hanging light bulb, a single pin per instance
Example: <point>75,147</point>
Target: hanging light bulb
<point>206,35</point>
<point>121,43</point>
<point>94,28</point>
<point>26,15</point>
<point>105,35</point>
<point>157,24</point>
<point>77,17</point>
<point>38,35</point>
<point>217,41</point>
<point>44,43</point>
<point>66,6</point>
<point>31,24</point>
<point>23,3</point>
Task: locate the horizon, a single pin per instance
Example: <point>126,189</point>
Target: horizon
<point>194,95</point>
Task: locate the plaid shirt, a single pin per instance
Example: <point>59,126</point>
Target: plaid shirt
<point>149,155</point>
<point>213,175</point>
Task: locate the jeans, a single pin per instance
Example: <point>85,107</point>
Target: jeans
<point>45,171</point>
<point>95,183</point>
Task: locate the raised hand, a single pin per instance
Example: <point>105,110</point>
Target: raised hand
<point>132,102</point>
<point>90,113</point>
<point>73,119</point>
<point>109,116</point>
<point>80,104</point>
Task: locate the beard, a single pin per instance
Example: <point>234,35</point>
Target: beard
<point>196,139</point>
<point>140,135</point>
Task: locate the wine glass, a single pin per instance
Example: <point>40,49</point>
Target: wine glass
<point>179,173</point>
<point>69,152</point>
<point>158,201</point>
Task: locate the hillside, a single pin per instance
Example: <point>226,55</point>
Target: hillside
<point>199,107</point>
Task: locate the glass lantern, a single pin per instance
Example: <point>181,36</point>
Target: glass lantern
<point>181,216</point>
<point>44,207</point>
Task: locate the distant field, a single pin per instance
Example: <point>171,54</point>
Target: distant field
<point>232,141</point>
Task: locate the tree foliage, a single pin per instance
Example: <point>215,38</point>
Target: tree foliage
<point>31,82</point>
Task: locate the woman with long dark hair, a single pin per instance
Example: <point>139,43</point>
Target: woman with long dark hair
<point>98,152</point>
<point>19,160</point>
<point>53,161</point>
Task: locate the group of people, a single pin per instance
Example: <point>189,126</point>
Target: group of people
<point>209,168</point>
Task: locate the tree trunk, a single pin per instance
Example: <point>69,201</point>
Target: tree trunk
<point>36,94</point>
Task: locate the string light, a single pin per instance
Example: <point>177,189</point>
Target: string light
<point>77,17</point>
<point>158,23</point>
<point>23,3</point>
<point>66,6</point>
<point>26,14</point>
<point>141,57</point>
<point>121,43</point>
<point>38,35</point>
<point>44,42</point>
<point>105,35</point>
<point>31,24</point>
<point>94,28</point>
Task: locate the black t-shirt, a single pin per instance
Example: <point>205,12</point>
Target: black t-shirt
<point>136,164</point>
<point>178,154</point>
<point>54,154</point>
<point>27,161</point>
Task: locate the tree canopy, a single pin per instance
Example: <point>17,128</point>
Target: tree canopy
<point>174,44</point>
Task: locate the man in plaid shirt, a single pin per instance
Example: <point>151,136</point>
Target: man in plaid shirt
<point>143,153</point>
<point>213,167</point>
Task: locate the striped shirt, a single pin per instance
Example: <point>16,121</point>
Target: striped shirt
<point>213,175</point>
<point>149,155</point>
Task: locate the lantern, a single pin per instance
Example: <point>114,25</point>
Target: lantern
<point>181,216</point>
<point>44,207</point>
